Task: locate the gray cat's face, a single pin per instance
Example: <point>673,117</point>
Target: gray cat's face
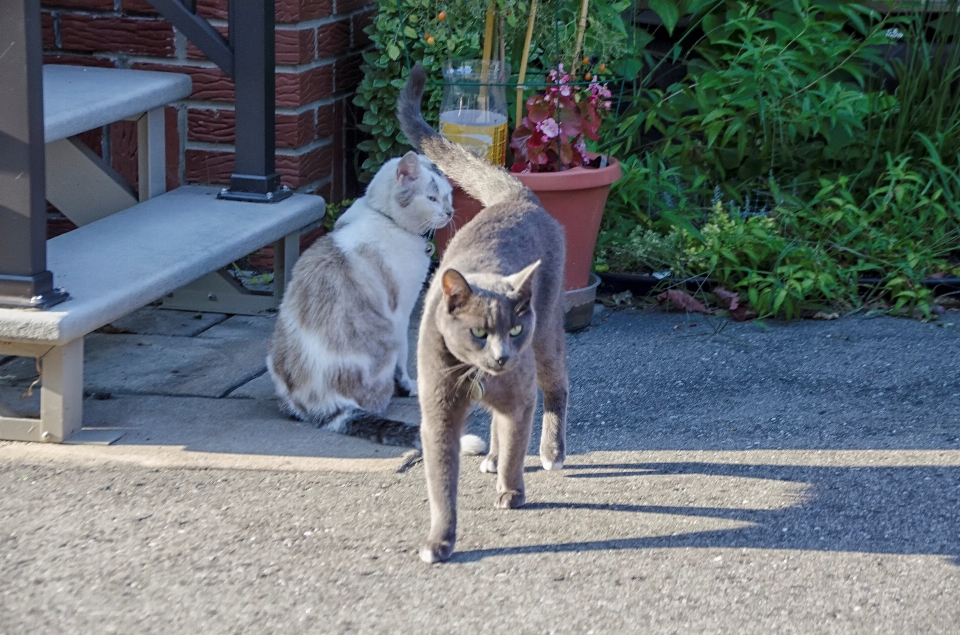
<point>488,323</point>
<point>422,196</point>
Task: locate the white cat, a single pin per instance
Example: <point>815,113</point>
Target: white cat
<point>339,348</point>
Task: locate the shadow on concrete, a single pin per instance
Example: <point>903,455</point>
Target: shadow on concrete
<point>223,427</point>
<point>910,510</point>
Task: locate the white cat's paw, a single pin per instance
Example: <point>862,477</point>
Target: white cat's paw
<point>551,465</point>
<point>472,445</point>
<point>488,466</point>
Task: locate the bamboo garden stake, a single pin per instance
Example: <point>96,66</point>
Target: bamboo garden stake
<point>487,53</point>
<point>523,60</point>
<point>581,29</point>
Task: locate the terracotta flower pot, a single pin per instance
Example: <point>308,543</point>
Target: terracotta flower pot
<point>574,197</point>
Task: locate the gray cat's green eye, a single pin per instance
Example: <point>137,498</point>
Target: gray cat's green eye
<point>515,331</point>
<point>479,333</point>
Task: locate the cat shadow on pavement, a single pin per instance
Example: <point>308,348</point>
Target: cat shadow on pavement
<point>907,510</point>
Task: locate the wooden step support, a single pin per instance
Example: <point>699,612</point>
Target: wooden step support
<point>124,261</point>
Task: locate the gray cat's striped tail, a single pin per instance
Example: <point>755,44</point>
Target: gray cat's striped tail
<point>356,422</point>
<point>487,183</point>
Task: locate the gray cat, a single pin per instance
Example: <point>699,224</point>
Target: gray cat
<point>492,330</point>
<point>339,348</point>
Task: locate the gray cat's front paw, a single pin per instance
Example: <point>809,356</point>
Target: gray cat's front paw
<point>510,500</point>
<point>556,464</point>
<point>434,551</point>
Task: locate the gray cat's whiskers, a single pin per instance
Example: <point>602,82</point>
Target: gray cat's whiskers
<point>476,388</point>
<point>454,368</point>
<point>465,376</point>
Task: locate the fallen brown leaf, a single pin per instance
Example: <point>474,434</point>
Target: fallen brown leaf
<point>730,300</point>
<point>682,300</point>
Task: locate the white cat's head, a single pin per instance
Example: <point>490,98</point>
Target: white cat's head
<point>487,321</point>
<point>412,191</point>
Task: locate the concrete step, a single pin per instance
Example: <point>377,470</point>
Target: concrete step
<point>79,98</point>
<point>122,262</point>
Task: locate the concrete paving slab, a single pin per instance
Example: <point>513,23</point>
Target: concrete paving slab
<point>16,376</point>
<point>197,433</point>
<point>405,409</point>
<point>260,387</point>
<point>151,320</point>
<point>18,371</point>
<point>253,328</point>
<point>14,400</point>
<point>154,364</point>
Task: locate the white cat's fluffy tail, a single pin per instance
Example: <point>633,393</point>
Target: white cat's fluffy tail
<point>471,445</point>
<point>480,179</point>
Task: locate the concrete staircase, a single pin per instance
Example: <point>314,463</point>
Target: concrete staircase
<point>125,254</point>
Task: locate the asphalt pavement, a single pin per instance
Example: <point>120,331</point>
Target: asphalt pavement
<point>722,478</point>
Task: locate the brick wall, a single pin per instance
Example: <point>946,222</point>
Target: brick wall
<point>318,56</point>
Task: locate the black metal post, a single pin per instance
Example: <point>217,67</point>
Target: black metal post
<point>24,279</point>
<point>249,60</point>
<point>252,41</point>
<point>205,37</point>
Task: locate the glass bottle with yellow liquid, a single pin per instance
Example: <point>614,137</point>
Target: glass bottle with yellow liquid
<point>473,111</point>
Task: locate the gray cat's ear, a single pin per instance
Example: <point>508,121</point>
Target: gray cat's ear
<point>408,169</point>
<point>522,283</point>
<point>456,289</point>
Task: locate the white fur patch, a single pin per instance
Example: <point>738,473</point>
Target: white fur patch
<point>552,465</point>
<point>488,466</point>
<point>428,556</point>
<point>471,445</point>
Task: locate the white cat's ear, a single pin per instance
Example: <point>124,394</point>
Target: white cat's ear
<point>409,168</point>
<point>456,289</point>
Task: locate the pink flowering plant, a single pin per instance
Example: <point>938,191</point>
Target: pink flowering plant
<point>552,136</point>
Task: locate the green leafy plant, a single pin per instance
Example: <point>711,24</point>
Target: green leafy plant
<point>757,99</point>
<point>901,233</point>
<point>405,32</point>
<point>780,275</point>
<point>855,161</point>
<point>643,250</point>
<point>431,31</point>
